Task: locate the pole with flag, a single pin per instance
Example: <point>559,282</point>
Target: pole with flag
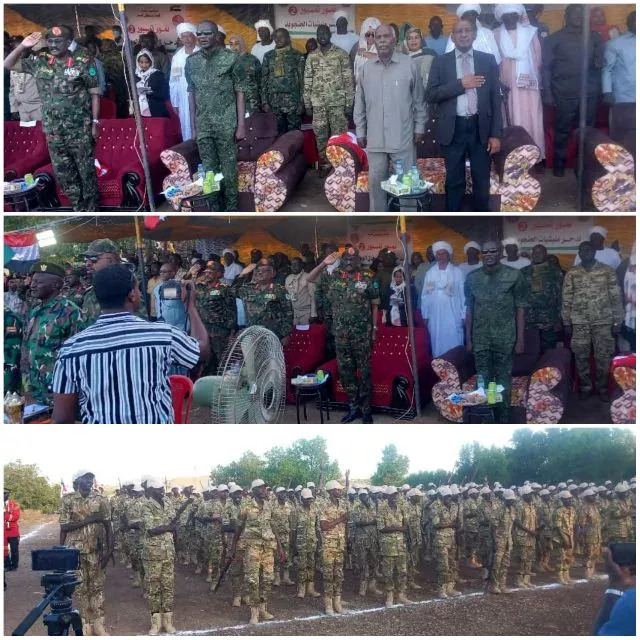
<point>143,279</point>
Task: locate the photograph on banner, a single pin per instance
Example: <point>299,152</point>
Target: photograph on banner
<point>392,534</point>
<point>279,108</point>
<point>319,319</point>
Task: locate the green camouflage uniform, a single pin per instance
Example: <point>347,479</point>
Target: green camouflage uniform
<point>133,510</point>
<point>214,78</point>
<point>283,86</point>
<point>266,306</point>
<point>329,90</point>
<point>590,529</point>
<point>281,519</point>
<point>158,555</point>
<point>216,306</point>
<point>413,513</point>
<point>564,522</point>
<point>545,288</point>
<point>544,524</point>
<point>592,305</point>
<point>457,512</point>
<point>444,539</point>
<point>393,546</point>
<point>260,544</point>
<point>350,299</point>
<point>75,294</point>
<point>186,535</point>
<point>525,543</point>
<point>334,543</point>
<point>91,541</point>
<point>470,507</point>
<point>50,325</point>
<point>90,308</point>
<point>211,533</point>
<point>488,513</point>
<point>13,333</point>
<point>366,540</point>
<point>494,298</point>
<point>249,74</point>
<point>117,510</point>
<point>65,86</point>
<point>306,539</point>
<point>619,520</point>
<point>427,529</point>
<point>502,541</point>
<point>231,514</point>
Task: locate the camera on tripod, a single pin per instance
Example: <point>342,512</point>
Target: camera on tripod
<point>58,586</point>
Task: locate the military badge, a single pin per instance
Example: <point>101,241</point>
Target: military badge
<point>57,31</point>
<point>71,73</point>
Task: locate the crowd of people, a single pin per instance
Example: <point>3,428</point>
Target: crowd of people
<point>491,68</point>
<point>197,307</point>
<point>260,537</point>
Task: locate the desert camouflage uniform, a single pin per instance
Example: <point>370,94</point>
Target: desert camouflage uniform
<point>457,511</point>
<point>564,522</point>
<point>427,530</point>
<point>133,513</point>
<point>334,542</point>
<point>211,534</point>
<point>413,513</point>
<point>230,515</point>
<point>443,542</point>
<point>306,539</point>
<point>281,520</point>
<point>366,549</point>
<point>488,513</point>
<point>619,520</point>
<point>117,510</point>
<point>91,541</point>
<point>393,546</point>
<point>470,508</point>
<point>590,531</point>
<point>544,524</point>
<point>502,543</point>
<point>525,543</point>
<point>267,306</point>
<point>186,535</point>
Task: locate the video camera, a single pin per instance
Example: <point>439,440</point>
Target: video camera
<point>172,289</point>
<point>59,586</point>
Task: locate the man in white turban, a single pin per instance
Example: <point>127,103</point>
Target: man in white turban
<point>472,252</point>
<point>513,258</point>
<point>442,303</point>
<point>265,43</point>
<point>485,40</point>
<point>177,81</point>
<point>343,38</point>
<point>606,255</point>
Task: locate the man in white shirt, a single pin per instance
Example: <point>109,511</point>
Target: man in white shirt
<point>231,268</point>
<point>513,259</point>
<point>342,37</point>
<point>485,40</point>
<point>265,42</point>
<point>472,251</point>
<point>606,255</point>
<point>177,81</point>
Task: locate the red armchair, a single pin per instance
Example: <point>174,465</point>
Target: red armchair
<point>25,150</point>
<point>304,354</point>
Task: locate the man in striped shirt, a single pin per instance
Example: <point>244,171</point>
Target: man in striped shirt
<point>117,369</point>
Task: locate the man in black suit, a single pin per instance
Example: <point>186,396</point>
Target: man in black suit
<point>464,89</point>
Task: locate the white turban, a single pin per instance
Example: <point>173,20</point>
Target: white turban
<point>155,483</point>
<point>472,245</point>
<point>229,251</point>
<point>341,14</point>
<point>263,23</point>
<point>186,27</point>
<point>501,9</point>
<point>601,230</point>
<point>463,8</point>
<point>440,245</point>
<point>507,241</point>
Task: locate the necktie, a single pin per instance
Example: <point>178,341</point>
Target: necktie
<point>472,98</point>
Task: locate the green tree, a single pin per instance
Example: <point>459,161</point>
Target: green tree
<point>242,471</point>
<point>29,489</point>
<point>392,468</point>
<point>438,477</point>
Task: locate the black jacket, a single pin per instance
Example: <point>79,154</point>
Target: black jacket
<point>156,100</point>
<point>444,88</point>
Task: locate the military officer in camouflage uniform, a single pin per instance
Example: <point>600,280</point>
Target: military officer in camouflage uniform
<point>68,87</point>
<point>99,254</point>
<point>328,90</point>
<point>217,106</point>
<point>209,516</point>
<point>619,515</point>
<point>85,524</point>
<point>590,531</point>
<point>564,522</point>
<point>133,513</point>
<point>283,83</point>
<point>392,528</point>
<point>281,522</point>
<point>544,525</point>
<point>354,300</point>
<point>366,542</point>
<point>413,513</point>
<point>232,514</point>
<point>305,543</point>
<point>50,324</point>
<point>496,299</point>
<point>13,335</point>
<point>255,526</point>
<point>592,314</point>
<point>544,280</point>
<point>525,536</point>
<point>502,528</point>
<point>249,73</point>
<point>443,522</point>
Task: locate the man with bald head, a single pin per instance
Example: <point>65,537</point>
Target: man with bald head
<point>217,104</point>
<point>390,112</point>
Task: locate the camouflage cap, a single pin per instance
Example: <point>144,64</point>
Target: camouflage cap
<point>98,247</point>
<point>48,267</point>
<point>57,31</point>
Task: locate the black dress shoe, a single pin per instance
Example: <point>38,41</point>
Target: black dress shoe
<point>353,414</point>
<point>367,418</point>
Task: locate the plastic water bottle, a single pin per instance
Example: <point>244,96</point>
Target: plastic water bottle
<point>201,171</point>
<point>29,179</point>
<point>415,177</point>
<point>480,383</point>
<point>399,170</point>
<point>492,393</point>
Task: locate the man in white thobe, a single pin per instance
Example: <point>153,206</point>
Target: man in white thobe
<point>177,81</point>
<point>606,255</point>
<point>513,258</point>
<point>442,303</point>
<point>472,251</point>
<point>485,40</point>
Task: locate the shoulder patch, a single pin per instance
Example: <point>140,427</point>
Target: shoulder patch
<point>92,71</point>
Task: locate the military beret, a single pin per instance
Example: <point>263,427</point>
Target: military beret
<point>58,31</point>
<point>98,247</point>
<point>48,267</point>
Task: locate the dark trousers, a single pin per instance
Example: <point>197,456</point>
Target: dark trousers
<point>466,143</point>
<point>287,121</point>
<point>567,114</point>
<point>14,553</point>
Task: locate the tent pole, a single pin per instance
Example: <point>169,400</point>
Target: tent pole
<point>128,50</point>
<point>143,279</point>
<point>582,122</point>
<point>409,303</point>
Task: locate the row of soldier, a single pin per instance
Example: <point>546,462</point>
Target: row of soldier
<point>260,537</point>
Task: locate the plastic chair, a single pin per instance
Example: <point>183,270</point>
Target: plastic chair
<point>181,398</point>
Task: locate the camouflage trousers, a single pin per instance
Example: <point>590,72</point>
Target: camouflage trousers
<point>258,573</point>
<point>287,121</point>
<point>485,547</point>
<point>332,571</point>
<point>90,593</point>
<point>524,552</point>
<point>327,122</point>
<point>565,559</point>
<point>471,542</point>
<point>236,572</point>
<point>159,578</point>
<point>592,550</point>
<point>544,549</point>
<point>354,354</point>
<point>219,341</point>
<point>397,565</point>
<point>502,548</point>
<point>219,153</point>
<point>184,544</point>
<point>496,366</point>
<point>286,546</point>
<point>582,338</point>
<point>212,549</point>
<point>413,561</point>
<point>367,559</point>
<point>306,563</point>
<point>444,552</point>
<point>134,551</point>
<point>72,156</point>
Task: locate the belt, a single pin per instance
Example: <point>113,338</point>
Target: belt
<point>473,117</point>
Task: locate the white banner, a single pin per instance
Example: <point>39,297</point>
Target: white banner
<point>162,19</point>
<point>559,234</point>
<point>369,239</point>
<point>302,20</point>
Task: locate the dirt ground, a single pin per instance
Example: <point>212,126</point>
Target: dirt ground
<point>548,609</point>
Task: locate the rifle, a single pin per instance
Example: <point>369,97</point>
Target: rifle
<point>223,573</point>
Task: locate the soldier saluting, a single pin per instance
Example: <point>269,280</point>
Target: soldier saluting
<point>68,87</point>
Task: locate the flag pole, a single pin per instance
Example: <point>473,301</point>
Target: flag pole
<point>143,279</point>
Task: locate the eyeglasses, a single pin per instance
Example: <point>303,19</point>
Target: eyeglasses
<point>489,252</point>
<point>369,35</point>
<point>204,33</point>
<point>93,259</point>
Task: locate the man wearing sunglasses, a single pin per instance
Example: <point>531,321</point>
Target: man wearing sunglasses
<point>100,254</point>
<point>496,298</point>
<point>217,105</point>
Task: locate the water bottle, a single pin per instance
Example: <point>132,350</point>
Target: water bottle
<point>201,171</point>
<point>480,383</point>
<point>399,170</point>
<point>415,177</point>
<point>29,179</point>
<point>492,393</point>
<point>208,186</point>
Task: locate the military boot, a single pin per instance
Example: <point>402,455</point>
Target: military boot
<point>353,415</point>
<point>245,600</point>
<point>527,581</point>
<point>373,589</point>
<point>485,573</point>
<point>337,604</point>
<point>493,588</point>
<point>286,579</point>
<point>561,578</point>
<point>264,614</point>
<point>255,615</point>
<point>276,579</point>
<point>363,588</point>
<point>86,629</point>
<point>328,605</point>
<point>402,598</point>
<point>98,628</point>
<point>137,579</point>
<point>503,587</point>
<point>415,586</point>
<point>443,592</point>
<point>520,581</point>
<point>451,589</point>
<point>209,577</point>
<point>389,600</point>
<point>568,578</point>
<point>167,622</point>
<point>301,590</point>
<point>589,572</point>
<point>311,590</point>
<point>156,624</point>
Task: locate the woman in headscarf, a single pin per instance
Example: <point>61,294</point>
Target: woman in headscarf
<point>150,87</point>
<point>443,303</point>
<point>114,71</point>
<point>177,81</point>
<point>421,55</point>
<point>366,49</point>
<point>520,69</point>
<point>598,23</point>
<point>249,72</point>
<point>396,316</point>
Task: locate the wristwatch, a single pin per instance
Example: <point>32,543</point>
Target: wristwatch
<point>614,592</point>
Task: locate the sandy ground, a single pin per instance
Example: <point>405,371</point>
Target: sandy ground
<point>547,609</point>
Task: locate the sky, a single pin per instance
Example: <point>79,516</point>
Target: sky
<point>123,452</point>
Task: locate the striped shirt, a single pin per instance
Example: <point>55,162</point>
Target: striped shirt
<point>119,369</point>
